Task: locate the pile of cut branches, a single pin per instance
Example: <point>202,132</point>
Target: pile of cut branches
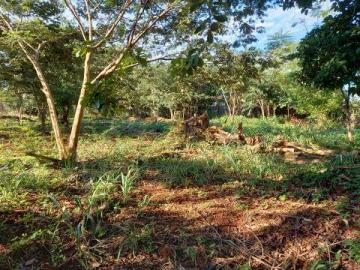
<point>199,127</point>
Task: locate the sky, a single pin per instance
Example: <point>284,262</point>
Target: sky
<point>290,21</point>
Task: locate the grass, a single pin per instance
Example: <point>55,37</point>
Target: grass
<point>141,197</point>
<point>308,134</point>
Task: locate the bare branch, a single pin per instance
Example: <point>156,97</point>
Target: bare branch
<point>77,17</point>
<point>160,58</point>
<point>111,67</point>
<point>29,45</point>
<point>149,24</point>
<point>115,23</point>
<point>41,45</point>
<point>137,18</point>
<point>90,23</point>
<point>96,6</point>
<point>131,42</point>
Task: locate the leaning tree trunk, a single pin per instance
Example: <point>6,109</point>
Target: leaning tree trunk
<point>63,153</point>
<point>34,59</point>
<point>79,113</point>
<point>226,102</point>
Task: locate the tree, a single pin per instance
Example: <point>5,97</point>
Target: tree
<point>235,73</point>
<point>17,82</point>
<point>155,91</point>
<point>60,67</point>
<point>330,55</point>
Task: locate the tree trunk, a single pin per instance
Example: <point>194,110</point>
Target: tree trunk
<point>75,130</point>
<point>41,112</point>
<point>262,108</point>
<point>172,116</point>
<point>268,110</point>
<point>274,110</point>
<point>226,102</point>
<point>42,118</point>
<point>349,118</point>
<point>20,114</point>
<point>233,114</point>
<point>288,111</point>
<point>155,115</point>
<point>65,115</point>
<point>63,153</point>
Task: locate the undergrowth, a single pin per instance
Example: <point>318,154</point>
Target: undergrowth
<point>67,212</point>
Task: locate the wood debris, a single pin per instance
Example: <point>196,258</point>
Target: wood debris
<point>296,153</point>
<point>199,127</point>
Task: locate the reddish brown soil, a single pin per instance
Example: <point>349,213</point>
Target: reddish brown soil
<point>222,230</point>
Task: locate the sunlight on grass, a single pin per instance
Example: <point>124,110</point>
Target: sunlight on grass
<point>82,198</point>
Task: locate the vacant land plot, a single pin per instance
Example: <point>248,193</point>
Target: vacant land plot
<point>142,197</point>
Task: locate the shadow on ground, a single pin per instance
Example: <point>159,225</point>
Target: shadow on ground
<point>217,225</point>
<point>112,128</point>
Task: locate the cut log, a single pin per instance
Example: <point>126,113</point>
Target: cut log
<point>217,135</point>
<point>196,124</point>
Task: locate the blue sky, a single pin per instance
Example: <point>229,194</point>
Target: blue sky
<point>290,21</point>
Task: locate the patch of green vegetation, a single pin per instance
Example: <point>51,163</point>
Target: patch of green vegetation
<point>178,172</point>
<point>137,239</point>
<point>333,137</point>
<point>77,199</point>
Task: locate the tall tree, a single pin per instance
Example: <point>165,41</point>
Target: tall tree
<point>330,55</point>
<point>235,72</point>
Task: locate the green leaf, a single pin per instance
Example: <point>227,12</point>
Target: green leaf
<point>195,4</point>
<point>200,28</point>
<point>210,37</point>
<point>214,26</point>
<point>221,18</point>
<point>122,30</point>
<point>141,60</point>
<point>244,267</point>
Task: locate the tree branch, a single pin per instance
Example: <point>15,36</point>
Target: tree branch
<point>76,16</point>
<point>137,18</point>
<point>7,23</point>
<point>149,24</point>
<point>163,58</point>
<point>132,41</point>
<point>115,23</point>
<point>111,67</point>
<point>88,13</point>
